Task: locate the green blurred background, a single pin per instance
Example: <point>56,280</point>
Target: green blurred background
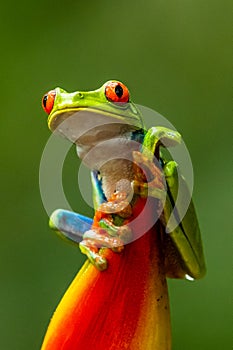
<point>175,56</point>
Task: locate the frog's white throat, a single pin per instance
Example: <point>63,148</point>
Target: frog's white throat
<point>98,151</point>
<point>103,142</point>
<point>112,157</point>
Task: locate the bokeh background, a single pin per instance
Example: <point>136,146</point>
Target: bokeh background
<point>175,56</point>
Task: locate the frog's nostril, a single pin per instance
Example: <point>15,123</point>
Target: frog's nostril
<point>48,101</point>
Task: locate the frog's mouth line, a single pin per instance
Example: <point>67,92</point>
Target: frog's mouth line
<point>58,116</point>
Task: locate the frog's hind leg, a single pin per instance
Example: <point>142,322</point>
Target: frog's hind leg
<point>70,226</point>
<point>183,246</point>
<point>78,229</point>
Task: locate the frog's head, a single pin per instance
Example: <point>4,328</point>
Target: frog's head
<point>82,111</point>
<point>87,118</point>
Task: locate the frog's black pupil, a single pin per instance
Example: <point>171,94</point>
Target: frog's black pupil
<point>119,91</point>
<point>45,100</point>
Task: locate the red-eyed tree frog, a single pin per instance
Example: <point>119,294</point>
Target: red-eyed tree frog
<point>135,190</point>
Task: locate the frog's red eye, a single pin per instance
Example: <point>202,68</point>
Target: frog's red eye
<point>48,101</point>
<point>117,92</point>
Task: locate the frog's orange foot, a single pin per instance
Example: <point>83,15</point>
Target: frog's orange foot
<point>99,238</point>
<point>121,208</point>
<point>119,202</point>
<point>96,239</point>
<point>155,187</point>
<point>123,233</point>
<point>87,247</point>
<point>109,229</point>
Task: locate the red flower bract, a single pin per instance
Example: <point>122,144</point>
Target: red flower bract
<point>124,307</point>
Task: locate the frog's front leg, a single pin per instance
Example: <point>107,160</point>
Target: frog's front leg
<point>153,184</point>
<point>157,136</point>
